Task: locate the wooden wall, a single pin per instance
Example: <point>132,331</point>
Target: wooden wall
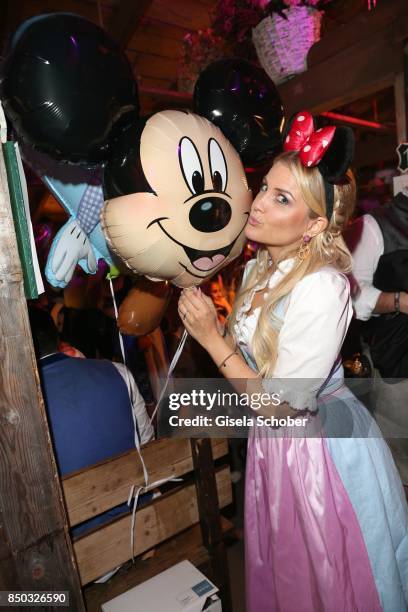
<point>35,547</point>
<point>361,58</point>
<point>154,48</point>
<point>358,62</point>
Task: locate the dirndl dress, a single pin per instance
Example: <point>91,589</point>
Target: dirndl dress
<point>326,518</point>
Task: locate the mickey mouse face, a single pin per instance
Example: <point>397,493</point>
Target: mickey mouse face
<point>192,222</point>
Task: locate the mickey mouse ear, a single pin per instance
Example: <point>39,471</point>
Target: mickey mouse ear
<point>66,86</point>
<point>123,172</point>
<point>239,97</point>
<point>338,156</point>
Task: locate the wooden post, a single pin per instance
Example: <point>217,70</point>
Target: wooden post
<point>35,547</point>
<point>400,107</point>
<point>405,135</point>
<point>210,519</point>
<point>126,18</point>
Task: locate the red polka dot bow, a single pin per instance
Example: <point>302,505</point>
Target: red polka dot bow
<point>310,144</point>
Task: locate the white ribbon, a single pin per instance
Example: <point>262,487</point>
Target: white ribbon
<point>3,126</point>
<point>135,491</point>
<point>136,494</point>
<point>122,348</point>
<point>170,372</point>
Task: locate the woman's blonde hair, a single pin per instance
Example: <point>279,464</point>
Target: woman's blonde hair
<point>326,248</point>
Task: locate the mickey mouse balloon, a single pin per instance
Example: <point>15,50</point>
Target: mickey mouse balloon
<point>189,220</point>
<point>177,198</point>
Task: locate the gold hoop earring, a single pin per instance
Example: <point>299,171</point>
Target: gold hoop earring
<point>304,249</point>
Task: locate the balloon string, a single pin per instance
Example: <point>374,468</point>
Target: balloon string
<point>122,348</point>
<point>136,491</point>
<point>3,126</point>
<point>171,368</point>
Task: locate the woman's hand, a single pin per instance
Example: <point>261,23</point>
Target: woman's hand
<point>198,315</point>
<point>213,306</point>
<point>404,302</point>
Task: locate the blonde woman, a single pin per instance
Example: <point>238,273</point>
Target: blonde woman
<point>326,520</point>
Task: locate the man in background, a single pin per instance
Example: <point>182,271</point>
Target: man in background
<point>93,407</point>
<point>379,246</point>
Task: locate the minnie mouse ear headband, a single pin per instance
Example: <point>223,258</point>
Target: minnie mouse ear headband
<point>330,148</point>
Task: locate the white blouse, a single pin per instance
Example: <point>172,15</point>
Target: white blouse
<point>318,313</point>
<point>366,244</point>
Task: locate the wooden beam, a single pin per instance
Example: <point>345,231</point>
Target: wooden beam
<point>35,547</point>
<point>400,106</point>
<point>11,14</point>
<point>357,122</point>
<point>101,487</point>
<point>32,8</point>
<point>159,38</point>
<point>210,519</point>
<point>402,109</point>
<point>189,14</point>
<point>363,25</point>
<point>109,546</point>
<point>375,148</point>
<point>126,18</point>
<point>147,65</point>
<point>167,94</point>
<point>360,69</point>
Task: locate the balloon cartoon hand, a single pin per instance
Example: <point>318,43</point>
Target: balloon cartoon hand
<point>71,247</point>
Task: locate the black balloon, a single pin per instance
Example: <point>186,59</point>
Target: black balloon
<point>123,172</point>
<point>239,97</point>
<point>66,87</point>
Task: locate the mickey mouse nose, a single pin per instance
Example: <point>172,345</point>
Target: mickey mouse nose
<point>210,214</point>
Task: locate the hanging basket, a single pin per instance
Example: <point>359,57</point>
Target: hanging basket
<point>186,81</point>
<point>283,44</point>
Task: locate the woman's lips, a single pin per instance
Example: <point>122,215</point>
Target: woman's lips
<point>253,221</point>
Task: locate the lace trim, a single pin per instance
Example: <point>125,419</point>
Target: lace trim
<point>270,281</point>
<point>246,306</point>
<point>298,399</point>
<point>241,329</point>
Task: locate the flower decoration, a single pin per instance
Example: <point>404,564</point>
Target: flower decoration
<point>234,19</point>
<point>230,34</point>
<point>199,49</point>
